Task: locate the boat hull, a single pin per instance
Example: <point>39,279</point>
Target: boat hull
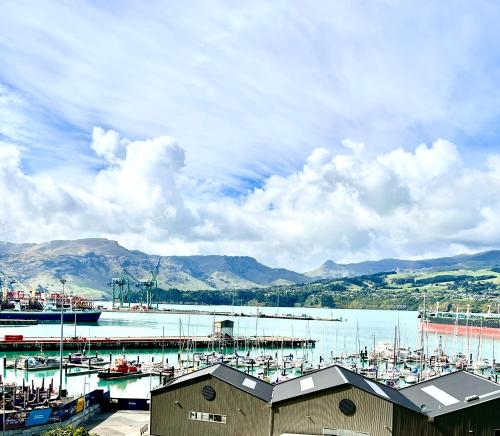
<point>84,316</point>
<point>460,330</point>
<point>118,375</point>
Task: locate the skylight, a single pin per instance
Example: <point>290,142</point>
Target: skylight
<point>443,397</point>
<point>307,383</point>
<point>249,383</point>
<point>376,388</point>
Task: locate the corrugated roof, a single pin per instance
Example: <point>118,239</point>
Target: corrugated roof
<point>234,377</point>
<point>448,393</point>
<point>433,397</point>
<point>336,376</point>
<point>193,375</point>
<point>313,382</point>
<point>245,382</point>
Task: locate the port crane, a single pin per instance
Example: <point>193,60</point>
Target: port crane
<point>146,288</point>
<point>121,290</point>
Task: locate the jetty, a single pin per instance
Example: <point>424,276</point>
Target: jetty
<point>151,342</point>
<point>17,322</point>
<point>258,314</point>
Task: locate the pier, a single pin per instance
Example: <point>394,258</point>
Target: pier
<point>152,342</point>
<point>18,322</point>
<point>258,314</point>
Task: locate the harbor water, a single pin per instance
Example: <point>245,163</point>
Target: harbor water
<point>357,330</point>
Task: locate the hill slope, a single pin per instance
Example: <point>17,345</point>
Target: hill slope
<point>330,269</point>
<point>88,264</point>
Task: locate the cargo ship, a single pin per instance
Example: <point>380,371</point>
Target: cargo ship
<point>43,316</point>
<point>461,323</point>
<point>44,307</point>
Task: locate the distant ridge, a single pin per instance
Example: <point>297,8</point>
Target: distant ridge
<point>330,269</point>
<point>88,264</point>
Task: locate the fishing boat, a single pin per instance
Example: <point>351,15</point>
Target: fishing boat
<point>120,369</point>
<point>40,362</point>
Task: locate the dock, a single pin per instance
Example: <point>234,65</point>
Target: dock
<point>288,316</point>
<point>152,342</point>
<point>17,322</point>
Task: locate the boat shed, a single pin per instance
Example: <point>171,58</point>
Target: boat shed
<point>220,400</point>
<point>459,403</point>
<point>336,401</point>
<point>217,400</point>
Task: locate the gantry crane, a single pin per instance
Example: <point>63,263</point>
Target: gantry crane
<point>147,289</point>
<point>121,290</point>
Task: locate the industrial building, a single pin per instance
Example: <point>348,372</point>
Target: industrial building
<point>220,400</point>
<point>217,400</point>
<point>459,403</point>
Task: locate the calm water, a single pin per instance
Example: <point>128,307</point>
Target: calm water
<point>359,328</point>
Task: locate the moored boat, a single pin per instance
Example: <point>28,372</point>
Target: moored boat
<point>461,323</point>
<point>120,369</point>
<point>80,316</point>
<point>42,306</point>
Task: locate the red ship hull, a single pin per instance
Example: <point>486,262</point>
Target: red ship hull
<point>460,330</point>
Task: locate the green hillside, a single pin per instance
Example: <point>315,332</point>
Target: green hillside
<point>391,290</point>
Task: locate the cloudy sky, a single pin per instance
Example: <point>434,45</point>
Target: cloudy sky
<point>293,132</point>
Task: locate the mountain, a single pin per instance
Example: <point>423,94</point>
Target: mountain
<point>330,269</point>
<point>89,264</point>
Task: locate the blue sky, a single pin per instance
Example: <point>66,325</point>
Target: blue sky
<point>248,92</point>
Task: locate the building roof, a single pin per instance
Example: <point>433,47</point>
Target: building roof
<point>451,392</point>
<point>234,377</point>
<point>337,376</point>
<point>434,397</point>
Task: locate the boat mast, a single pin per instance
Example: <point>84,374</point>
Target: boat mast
<point>163,346</point>
<point>63,282</point>
<point>423,320</point>
<point>467,331</point>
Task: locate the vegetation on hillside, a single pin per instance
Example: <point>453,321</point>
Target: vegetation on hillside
<point>387,290</point>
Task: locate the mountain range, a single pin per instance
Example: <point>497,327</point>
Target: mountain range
<point>89,264</point>
<point>483,260</point>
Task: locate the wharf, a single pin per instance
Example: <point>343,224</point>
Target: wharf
<point>18,322</point>
<point>289,316</point>
<point>152,342</point>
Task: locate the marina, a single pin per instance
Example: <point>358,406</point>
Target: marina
<point>161,341</point>
<point>130,355</point>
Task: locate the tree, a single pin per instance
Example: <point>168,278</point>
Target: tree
<point>69,430</point>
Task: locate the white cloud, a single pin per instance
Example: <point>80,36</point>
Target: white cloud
<point>108,144</point>
<point>347,206</point>
<point>265,84</point>
<point>131,195</point>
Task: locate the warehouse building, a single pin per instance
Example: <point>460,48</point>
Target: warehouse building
<point>220,400</point>
<point>336,401</point>
<point>460,403</point>
<point>217,400</point>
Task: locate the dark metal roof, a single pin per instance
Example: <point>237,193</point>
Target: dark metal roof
<point>448,393</point>
<point>234,377</point>
<point>313,382</point>
<point>337,376</point>
<point>434,397</point>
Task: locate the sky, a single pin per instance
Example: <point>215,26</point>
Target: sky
<point>293,132</point>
